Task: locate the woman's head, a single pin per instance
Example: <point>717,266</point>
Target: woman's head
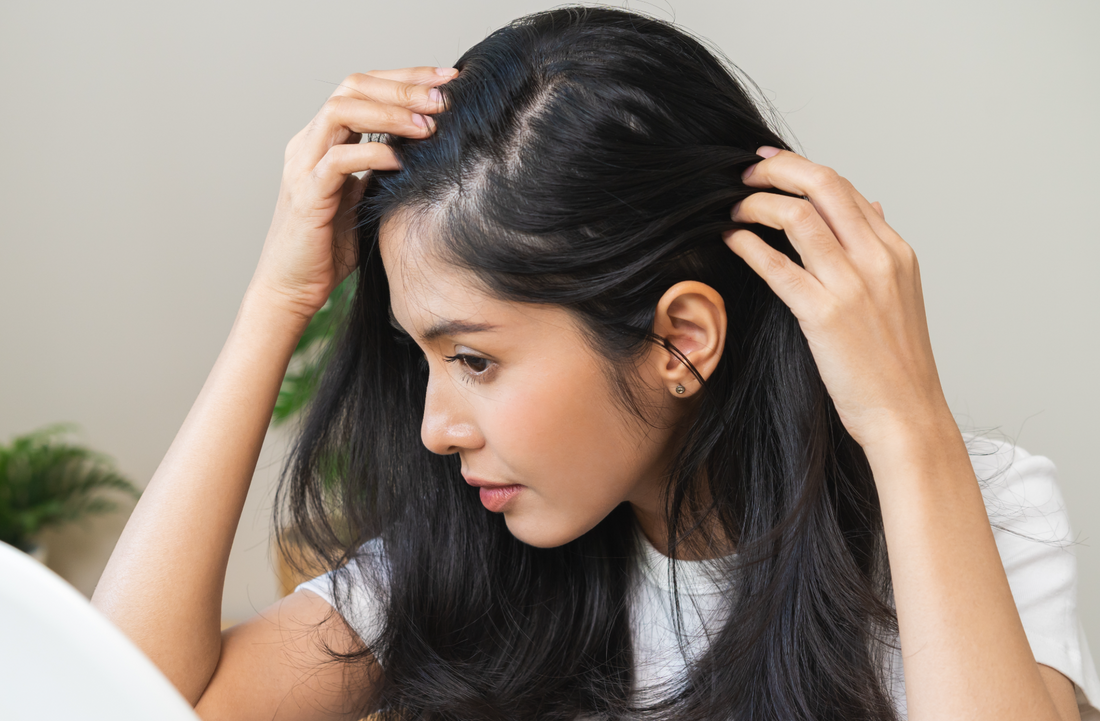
<point>534,284</point>
<point>518,392</point>
<point>582,172</point>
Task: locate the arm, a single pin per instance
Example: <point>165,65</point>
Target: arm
<point>963,646</point>
<point>859,302</point>
<point>274,666</point>
<point>163,583</point>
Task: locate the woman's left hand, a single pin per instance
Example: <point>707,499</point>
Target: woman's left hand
<point>858,299</point>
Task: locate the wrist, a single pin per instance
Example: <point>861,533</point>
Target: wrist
<point>273,311</point>
<point>267,300</point>
<point>929,435</point>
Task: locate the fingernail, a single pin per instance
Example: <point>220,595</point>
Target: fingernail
<point>435,95</point>
<point>420,120</point>
<point>446,72</point>
<point>748,171</point>
<point>767,151</point>
<point>736,207</point>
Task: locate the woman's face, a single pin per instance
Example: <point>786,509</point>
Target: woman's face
<point>516,392</point>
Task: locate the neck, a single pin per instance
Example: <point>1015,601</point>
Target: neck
<point>706,542</point>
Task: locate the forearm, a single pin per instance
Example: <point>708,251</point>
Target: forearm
<point>163,583</point>
<point>964,649</point>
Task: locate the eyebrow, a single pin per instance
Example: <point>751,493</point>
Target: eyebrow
<point>446,327</point>
<point>455,327</point>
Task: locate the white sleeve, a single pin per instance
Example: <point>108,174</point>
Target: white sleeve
<point>360,601</point>
<point>1033,536</point>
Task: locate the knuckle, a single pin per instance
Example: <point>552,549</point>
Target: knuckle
<point>830,311</point>
<point>825,177</point>
<point>332,107</point>
<point>318,172</point>
<point>395,116</point>
<point>334,160</point>
<point>323,166</point>
<point>908,255</point>
<point>777,265</point>
<point>883,264</point>
<point>802,213</point>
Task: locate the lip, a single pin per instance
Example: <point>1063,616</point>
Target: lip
<point>474,481</point>
<point>494,496</point>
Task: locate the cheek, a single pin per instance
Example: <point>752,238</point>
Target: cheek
<point>561,435</point>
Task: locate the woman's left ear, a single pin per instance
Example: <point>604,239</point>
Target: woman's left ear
<point>691,316</point>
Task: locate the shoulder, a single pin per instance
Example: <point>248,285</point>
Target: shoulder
<point>358,589</point>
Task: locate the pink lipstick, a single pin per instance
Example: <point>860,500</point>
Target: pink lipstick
<point>495,498</point>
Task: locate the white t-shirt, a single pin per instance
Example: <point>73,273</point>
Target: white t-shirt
<point>1033,536</point>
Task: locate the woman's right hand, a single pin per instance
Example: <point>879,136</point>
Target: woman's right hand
<point>310,247</point>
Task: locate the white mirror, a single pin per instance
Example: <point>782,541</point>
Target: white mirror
<point>61,659</point>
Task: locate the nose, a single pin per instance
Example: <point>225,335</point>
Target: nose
<point>448,425</point>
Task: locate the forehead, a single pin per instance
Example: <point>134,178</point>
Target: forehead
<point>426,290</point>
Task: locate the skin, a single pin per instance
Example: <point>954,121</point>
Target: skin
<point>539,411</point>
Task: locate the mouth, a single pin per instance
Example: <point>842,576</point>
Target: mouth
<point>480,483</point>
<point>495,496</point>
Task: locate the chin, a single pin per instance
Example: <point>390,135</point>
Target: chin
<point>543,532</point>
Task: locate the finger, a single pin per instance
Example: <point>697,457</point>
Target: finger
<point>894,255</point>
<point>421,75</point>
<point>295,144</point>
<point>420,98</point>
<point>821,253</point>
<point>341,161</point>
<point>341,116</point>
<point>877,219</point>
<point>827,190</point>
<point>794,285</point>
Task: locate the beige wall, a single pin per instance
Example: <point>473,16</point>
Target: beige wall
<point>141,146</point>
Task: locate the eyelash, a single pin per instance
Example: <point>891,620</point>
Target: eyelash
<point>471,375</point>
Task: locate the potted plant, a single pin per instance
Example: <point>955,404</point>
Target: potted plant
<point>47,481</point>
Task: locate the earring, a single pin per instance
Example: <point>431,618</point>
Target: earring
<point>680,389</point>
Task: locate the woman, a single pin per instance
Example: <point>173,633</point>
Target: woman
<point>605,318</point>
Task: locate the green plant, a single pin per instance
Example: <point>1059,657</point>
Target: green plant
<point>308,360</point>
<point>47,481</point>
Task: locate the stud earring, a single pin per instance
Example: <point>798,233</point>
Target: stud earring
<point>680,390</point>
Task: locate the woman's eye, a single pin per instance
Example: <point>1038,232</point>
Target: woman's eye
<point>477,365</point>
<point>474,364</point>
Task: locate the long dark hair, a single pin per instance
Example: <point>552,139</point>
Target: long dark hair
<point>588,159</point>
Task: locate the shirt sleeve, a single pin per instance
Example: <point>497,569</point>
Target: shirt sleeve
<point>356,591</point>
<point>1032,530</point>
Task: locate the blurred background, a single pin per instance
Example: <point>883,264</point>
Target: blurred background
<point>142,144</point>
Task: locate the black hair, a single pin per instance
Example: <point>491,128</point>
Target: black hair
<point>588,158</point>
